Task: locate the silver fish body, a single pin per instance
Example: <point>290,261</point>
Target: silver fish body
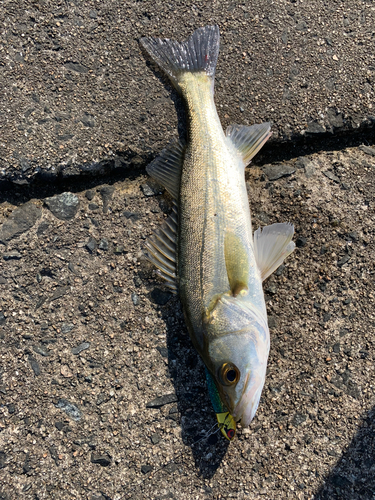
<point>219,266</point>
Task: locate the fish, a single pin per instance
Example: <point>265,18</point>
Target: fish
<point>206,250</point>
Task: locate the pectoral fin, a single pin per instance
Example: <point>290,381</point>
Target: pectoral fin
<point>237,263</point>
<point>248,140</point>
<point>271,246</point>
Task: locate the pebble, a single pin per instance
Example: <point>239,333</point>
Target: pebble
<point>135,299</point>
<point>34,365</point>
<point>301,241</point>
<point>145,469</point>
<point>272,322</point>
<point>59,292</point>
<point>12,255</point>
<point>331,176</point>
<point>367,150</point>
<point>155,438</point>
<point>69,408</point>
<point>91,245</point>
<point>20,220</point>
<point>103,460</point>
<point>103,244</point>
<point>118,250</point>
<point>298,419</point>
<point>3,458</point>
<point>106,193</point>
<point>162,401</point>
<point>2,318</point>
<point>64,206</point>
<point>147,190</point>
<point>90,193</point>
<point>343,260</point>
<point>80,348</point>
<point>66,327</point>
<point>315,128</point>
<point>93,206</point>
<point>274,172</point>
<point>65,371</point>
<point>41,350</point>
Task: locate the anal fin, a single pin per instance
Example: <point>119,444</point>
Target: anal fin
<point>161,249</point>
<point>248,140</point>
<point>166,168</point>
<point>272,245</point>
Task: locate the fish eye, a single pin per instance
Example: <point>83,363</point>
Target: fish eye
<point>229,374</point>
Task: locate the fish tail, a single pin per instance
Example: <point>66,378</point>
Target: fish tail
<point>198,53</point>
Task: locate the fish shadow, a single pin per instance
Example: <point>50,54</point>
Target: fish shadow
<point>353,477</point>
<point>195,415</point>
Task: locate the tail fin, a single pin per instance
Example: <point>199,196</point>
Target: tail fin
<point>198,53</point>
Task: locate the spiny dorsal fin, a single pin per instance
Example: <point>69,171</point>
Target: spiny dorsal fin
<point>166,168</point>
<point>271,246</point>
<point>161,249</point>
<point>248,140</point>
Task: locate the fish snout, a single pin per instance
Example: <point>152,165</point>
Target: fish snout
<point>247,406</point>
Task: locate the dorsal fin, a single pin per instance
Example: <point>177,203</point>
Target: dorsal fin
<point>161,249</point>
<point>248,140</point>
<point>272,245</point>
<point>166,168</point>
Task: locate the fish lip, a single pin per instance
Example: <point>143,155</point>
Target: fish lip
<point>247,406</point>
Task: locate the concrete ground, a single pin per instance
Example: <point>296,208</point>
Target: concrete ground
<point>102,395</point>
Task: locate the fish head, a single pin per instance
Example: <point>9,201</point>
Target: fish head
<point>238,348</point>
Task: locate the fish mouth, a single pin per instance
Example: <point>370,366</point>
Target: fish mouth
<point>247,406</point>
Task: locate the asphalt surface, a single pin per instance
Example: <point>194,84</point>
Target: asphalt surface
<point>102,395</point>
<point>78,97</point>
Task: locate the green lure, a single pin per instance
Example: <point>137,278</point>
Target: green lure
<point>226,422</point>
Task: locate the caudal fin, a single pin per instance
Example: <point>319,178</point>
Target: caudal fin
<point>198,53</point>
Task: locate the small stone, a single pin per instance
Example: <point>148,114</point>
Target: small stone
<point>155,438</point>
<point>78,68</point>
<point>279,271</point>
<point>103,244</point>
<point>298,419</point>
<point>66,328</point>
<point>11,409</point>
<point>145,469</point>
<point>272,323</point>
<point>59,292</point>
<point>103,460</point>
<point>20,220</point>
<point>271,288</point>
<point>335,119</point>
<point>119,249</point>
<point>91,245</point>
<point>336,348</point>
<point>3,458</point>
<point>88,120</point>
<point>81,347</point>
<point>131,215</point>
<point>41,350</point>
<point>347,301</point>
<point>343,260</point>
<point>135,299</point>
<point>2,318</point>
<point>170,468</point>
<point>162,401</point>
<point>368,150</point>
<point>106,194</point>
<point>159,297</point>
<point>147,190</point>
<point>12,255</point>
<point>331,176</point>
<point>90,193</point>
<point>65,371</point>
<point>353,236</point>
<point>315,128</point>
<point>64,206</point>
<point>93,206</point>
<point>34,365</point>
<point>327,317</point>
<point>301,242</point>
<point>69,408</point>
<point>274,172</point>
